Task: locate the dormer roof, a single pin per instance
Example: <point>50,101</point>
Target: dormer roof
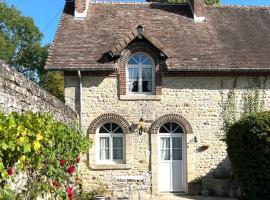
<point>230,38</point>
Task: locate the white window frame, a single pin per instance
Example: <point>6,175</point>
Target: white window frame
<point>140,70</point>
<point>109,135</point>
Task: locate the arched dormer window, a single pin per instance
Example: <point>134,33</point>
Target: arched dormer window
<point>140,74</point>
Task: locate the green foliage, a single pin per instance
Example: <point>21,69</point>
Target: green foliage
<point>248,143</point>
<point>253,97</point>
<point>54,83</point>
<point>212,2</point>
<point>228,105</point>
<point>35,144</point>
<point>20,42</point>
<point>252,101</point>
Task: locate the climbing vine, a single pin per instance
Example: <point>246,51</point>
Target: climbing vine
<point>252,100</point>
<point>254,95</point>
<point>228,105</point>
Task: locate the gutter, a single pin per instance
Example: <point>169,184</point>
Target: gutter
<point>222,70</point>
<point>103,68</point>
<point>80,98</point>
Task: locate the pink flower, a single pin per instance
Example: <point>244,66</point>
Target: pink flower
<point>71,169</point>
<point>70,196</point>
<point>10,171</point>
<point>62,162</point>
<point>69,190</point>
<point>78,159</point>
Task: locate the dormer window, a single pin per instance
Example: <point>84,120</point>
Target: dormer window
<point>140,74</point>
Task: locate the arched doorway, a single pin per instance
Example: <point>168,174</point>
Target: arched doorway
<point>171,157</point>
<point>178,168</point>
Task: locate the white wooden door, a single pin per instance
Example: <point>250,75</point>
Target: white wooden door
<point>170,142</point>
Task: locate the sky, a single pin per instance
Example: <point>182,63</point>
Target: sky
<point>46,13</point>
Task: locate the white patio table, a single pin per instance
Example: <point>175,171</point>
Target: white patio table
<point>130,180</point>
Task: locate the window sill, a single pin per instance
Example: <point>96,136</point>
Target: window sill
<point>110,166</point>
<point>142,97</point>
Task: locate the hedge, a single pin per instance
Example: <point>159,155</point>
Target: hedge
<point>248,142</point>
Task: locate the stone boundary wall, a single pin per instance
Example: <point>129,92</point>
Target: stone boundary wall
<point>17,93</point>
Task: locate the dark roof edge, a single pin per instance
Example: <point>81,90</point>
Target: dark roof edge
<point>222,70</point>
<point>103,68</point>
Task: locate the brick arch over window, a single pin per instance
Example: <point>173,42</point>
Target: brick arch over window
<point>171,118</point>
<point>146,48</point>
<point>106,118</point>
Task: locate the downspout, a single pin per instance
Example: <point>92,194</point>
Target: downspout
<point>80,98</point>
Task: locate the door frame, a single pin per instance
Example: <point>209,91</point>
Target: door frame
<point>189,166</point>
<point>184,154</point>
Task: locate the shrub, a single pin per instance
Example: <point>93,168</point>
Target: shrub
<point>47,151</point>
<point>248,143</point>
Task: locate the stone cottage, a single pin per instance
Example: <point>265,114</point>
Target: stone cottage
<point>153,84</point>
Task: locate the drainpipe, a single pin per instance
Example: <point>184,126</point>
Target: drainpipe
<point>80,98</point>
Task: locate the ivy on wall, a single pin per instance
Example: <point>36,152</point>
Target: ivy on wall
<point>252,100</point>
<point>228,105</point>
<point>254,96</point>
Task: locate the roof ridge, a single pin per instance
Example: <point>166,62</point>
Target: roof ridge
<point>238,6</point>
<point>142,2</point>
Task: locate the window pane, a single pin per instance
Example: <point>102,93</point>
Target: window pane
<point>147,74</point>
<point>177,154</point>
<point>137,57</point>
<point>165,154</point>
<point>164,142</point>
<point>104,154</point>
<point>163,129</point>
<point>147,61</point>
<point>133,79</point>
<point>147,86</point>
<point>118,154</point>
<point>132,61</point>
<point>104,148</point>
<point>166,127</point>
<point>106,128</point>
<point>177,142</point>
<point>176,128</point>
<point>147,79</point>
<point>104,143</point>
<point>114,127</point>
<point>118,142</point>
<point>117,148</point>
<point>103,130</point>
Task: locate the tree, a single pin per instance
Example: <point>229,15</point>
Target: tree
<point>20,41</point>
<point>21,48</point>
<point>54,83</point>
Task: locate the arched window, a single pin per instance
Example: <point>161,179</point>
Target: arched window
<point>140,74</point>
<point>110,142</point>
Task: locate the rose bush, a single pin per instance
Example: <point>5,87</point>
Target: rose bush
<point>46,150</point>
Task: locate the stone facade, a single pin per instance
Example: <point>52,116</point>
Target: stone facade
<point>19,94</point>
<point>195,101</point>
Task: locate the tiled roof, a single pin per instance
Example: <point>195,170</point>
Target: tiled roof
<point>231,37</point>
